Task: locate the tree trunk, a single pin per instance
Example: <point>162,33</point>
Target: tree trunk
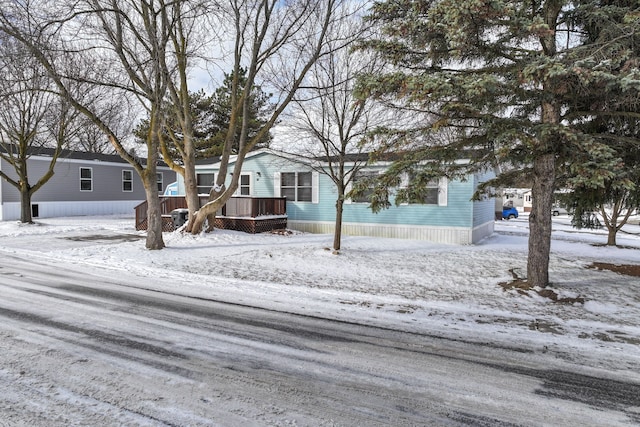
<point>337,233</point>
<point>613,222</point>
<point>214,193</point>
<point>25,205</point>
<point>191,184</point>
<point>540,220</point>
<point>207,212</point>
<point>218,195</point>
<point>544,163</point>
<point>154,213</point>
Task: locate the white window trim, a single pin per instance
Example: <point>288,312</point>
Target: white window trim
<point>347,190</point>
<point>443,184</point>
<point>315,185</point>
<point>237,192</point>
<point>443,189</point>
<point>85,179</point>
<point>277,191</point>
<point>404,183</point>
<point>159,181</point>
<point>127,180</point>
<point>213,181</point>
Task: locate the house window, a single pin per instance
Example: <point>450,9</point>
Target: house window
<point>244,186</point>
<point>159,182</point>
<point>204,182</point>
<point>127,180</point>
<point>297,186</point>
<point>365,178</point>
<point>86,179</point>
<point>431,194</point>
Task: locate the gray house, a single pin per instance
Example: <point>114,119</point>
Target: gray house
<point>83,184</point>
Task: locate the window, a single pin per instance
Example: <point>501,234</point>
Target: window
<point>159,181</point>
<point>430,196</point>
<point>86,179</point>
<point>244,186</point>
<point>204,181</point>
<point>127,180</point>
<point>435,192</point>
<point>365,178</point>
<point>297,186</point>
<point>433,189</point>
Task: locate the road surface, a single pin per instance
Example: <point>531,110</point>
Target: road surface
<point>105,349</point>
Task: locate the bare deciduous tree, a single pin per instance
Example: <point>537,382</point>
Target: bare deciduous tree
<point>124,46</point>
<point>186,38</point>
<point>32,116</point>
<point>333,122</point>
<point>278,42</point>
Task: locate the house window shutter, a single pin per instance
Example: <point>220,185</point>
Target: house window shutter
<point>404,183</point>
<point>442,191</point>
<point>276,184</point>
<point>315,187</point>
<point>347,200</point>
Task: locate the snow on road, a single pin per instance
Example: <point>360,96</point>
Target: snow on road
<point>446,290</point>
<point>433,289</point>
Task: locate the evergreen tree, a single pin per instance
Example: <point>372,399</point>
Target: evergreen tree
<point>498,78</point>
<point>213,115</point>
<point>210,115</point>
<point>606,103</point>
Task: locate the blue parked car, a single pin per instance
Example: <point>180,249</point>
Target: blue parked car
<point>509,212</point>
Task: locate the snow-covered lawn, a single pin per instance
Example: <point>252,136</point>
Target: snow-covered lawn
<point>443,290</point>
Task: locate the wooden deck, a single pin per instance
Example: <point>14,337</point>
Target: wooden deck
<point>248,214</point>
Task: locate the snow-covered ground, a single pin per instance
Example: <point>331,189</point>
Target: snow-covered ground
<point>443,290</point>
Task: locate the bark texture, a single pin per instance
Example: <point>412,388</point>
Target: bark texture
<point>540,221</point>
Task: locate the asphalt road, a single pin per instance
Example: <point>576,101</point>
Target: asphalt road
<point>99,349</point>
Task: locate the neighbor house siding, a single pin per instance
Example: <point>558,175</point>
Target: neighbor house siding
<point>65,183</point>
<point>61,195</point>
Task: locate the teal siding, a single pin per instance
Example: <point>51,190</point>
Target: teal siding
<point>261,176</point>
<point>484,210</point>
<point>460,211</point>
<point>457,213</point>
<point>324,210</point>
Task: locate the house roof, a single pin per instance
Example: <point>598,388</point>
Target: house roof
<point>77,155</point>
<point>207,160</point>
<point>384,158</point>
<point>318,160</point>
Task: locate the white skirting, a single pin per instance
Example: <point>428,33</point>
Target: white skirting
<point>452,235</point>
<point>11,211</point>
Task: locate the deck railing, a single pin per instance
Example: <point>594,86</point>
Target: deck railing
<point>253,207</point>
<point>240,206</point>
